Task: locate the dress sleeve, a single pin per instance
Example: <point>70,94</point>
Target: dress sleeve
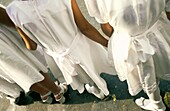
<point>96,9</point>
<point>167,8</point>
<point>21,19</point>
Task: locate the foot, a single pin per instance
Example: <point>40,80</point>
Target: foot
<point>59,97</point>
<point>94,91</point>
<point>47,98</point>
<point>64,85</point>
<point>151,106</point>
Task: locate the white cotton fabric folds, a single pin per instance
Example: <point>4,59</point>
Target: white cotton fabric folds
<point>50,23</point>
<point>140,44</point>
<point>17,64</point>
<point>11,89</point>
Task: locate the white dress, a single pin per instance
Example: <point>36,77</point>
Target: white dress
<point>51,24</point>
<point>140,44</point>
<point>17,64</point>
<point>9,89</point>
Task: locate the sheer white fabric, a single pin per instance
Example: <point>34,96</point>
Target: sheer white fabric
<point>39,54</point>
<point>17,64</point>
<point>140,44</point>
<point>51,24</point>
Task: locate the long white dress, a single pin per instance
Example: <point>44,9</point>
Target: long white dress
<point>51,24</point>
<point>140,44</point>
<point>9,89</point>
<point>17,64</point>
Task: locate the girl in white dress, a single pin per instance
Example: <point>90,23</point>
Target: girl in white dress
<point>60,28</point>
<point>140,44</point>
<point>19,66</point>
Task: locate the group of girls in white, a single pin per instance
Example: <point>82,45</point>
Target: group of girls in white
<point>138,48</point>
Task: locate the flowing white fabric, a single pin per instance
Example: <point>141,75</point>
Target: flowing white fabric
<point>17,64</point>
<point>10,89</point>
<point>140,44</point>
<point>50,23</point>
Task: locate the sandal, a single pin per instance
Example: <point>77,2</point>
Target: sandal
<point>93,90</point>
<point>64,85</point>
<point>47,98</point>
<point>59,97</point>
<point>148,105</point>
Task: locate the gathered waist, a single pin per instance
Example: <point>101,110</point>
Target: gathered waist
<point>134,49</point>
<point>64,60</point>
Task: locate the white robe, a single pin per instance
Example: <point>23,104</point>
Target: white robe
<point>17,64</point>
<point>51,24</point>
<point>140,44</point>
<point>9,89</point>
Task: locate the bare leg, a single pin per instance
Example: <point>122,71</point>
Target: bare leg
<point>49,84</point>
<point>37,87</point>
<point>46,86</point>
<point>44,93</point>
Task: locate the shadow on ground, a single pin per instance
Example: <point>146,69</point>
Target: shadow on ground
<point>118,90</point>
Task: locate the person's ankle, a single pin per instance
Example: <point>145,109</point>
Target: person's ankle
<point>159,105</point>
